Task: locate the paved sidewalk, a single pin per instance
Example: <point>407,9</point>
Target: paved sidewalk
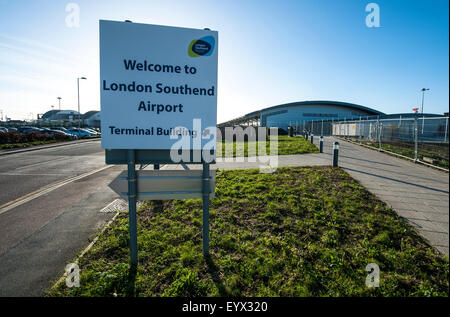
<point>418,193</point>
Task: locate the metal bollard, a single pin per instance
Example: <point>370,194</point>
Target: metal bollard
<point>312,138</point>
<point>335,154</point>
<point>321,144</point>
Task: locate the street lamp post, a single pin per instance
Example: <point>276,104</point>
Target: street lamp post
<point>59,102</point>
<point>423,96</point>
<point>78,90</point>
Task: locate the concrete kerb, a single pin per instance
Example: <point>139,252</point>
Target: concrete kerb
<point>77,260</point>
<point>43,147</point>
<point>85,250</point>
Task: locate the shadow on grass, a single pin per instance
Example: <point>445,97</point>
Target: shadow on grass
<point>214,272</point>
<point>131,279</point>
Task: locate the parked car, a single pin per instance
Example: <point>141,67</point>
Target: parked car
<point>27,129</point>
<point>55,132</point>
<point>81,133</point>
<point>92,131</point>
<point>2,129</point>
<point>12,129</point>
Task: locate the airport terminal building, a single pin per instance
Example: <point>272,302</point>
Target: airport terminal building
<point>295,113</point>
<point>301,114</point>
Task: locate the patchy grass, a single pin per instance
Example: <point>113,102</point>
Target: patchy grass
<point>286,146</point>
<point>297,232</point>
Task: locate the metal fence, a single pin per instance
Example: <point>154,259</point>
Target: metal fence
<point>422,139</point>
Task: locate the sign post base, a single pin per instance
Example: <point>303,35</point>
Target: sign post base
<point>206,191</point>
<point>132,192</point>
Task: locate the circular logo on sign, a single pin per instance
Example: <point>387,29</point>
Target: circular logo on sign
<point>201,47</point>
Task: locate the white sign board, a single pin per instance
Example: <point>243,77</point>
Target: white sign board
<point>155,81</point>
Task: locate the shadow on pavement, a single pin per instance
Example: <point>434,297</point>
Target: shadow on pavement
<point>399,181</point>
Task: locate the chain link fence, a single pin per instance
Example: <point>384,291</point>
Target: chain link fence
<point>422,139</point>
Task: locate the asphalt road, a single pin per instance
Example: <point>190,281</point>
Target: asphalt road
<point>42,232</point>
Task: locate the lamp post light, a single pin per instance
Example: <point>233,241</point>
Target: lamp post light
<point>59,102</point>
<point>78,90</point>
<point>423,96</point>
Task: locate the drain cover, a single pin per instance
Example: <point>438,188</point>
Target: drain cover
<point>118,205</point>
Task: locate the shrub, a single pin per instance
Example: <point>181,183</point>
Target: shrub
<point>11,137</point>
<point>35,136</point>
<point>61,136</point>
<point>14,137</point>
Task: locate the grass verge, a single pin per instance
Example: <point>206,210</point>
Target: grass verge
<point>286,146</point>
<point>408,151</point>
<point>297,232</point>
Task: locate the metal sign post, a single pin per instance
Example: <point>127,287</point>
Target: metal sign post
<point>205,197</point>
<point>416,137</point>
<point>132,192</point>
<point>164,185</point>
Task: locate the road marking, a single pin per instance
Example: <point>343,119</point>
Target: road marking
<point>34,174</point>
<point>40,163</point>
<point>45,190</point>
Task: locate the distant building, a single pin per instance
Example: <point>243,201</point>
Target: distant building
<point>92,119</point>
<point>295,113</point>
<point>302,113</point>
<point>70,117</point>
<point>60,115</point>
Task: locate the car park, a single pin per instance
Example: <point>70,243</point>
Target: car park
<point>54,131</point>
<point>81,133</point>
<point>92,131</point>
<point>27,129</point>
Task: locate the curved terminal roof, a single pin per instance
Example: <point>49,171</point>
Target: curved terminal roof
<point>49,113</point>
<point>370,111</point>
<point>89,114</point>
<point>255,115</point>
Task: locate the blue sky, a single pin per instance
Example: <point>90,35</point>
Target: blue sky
<point>270,52</point>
